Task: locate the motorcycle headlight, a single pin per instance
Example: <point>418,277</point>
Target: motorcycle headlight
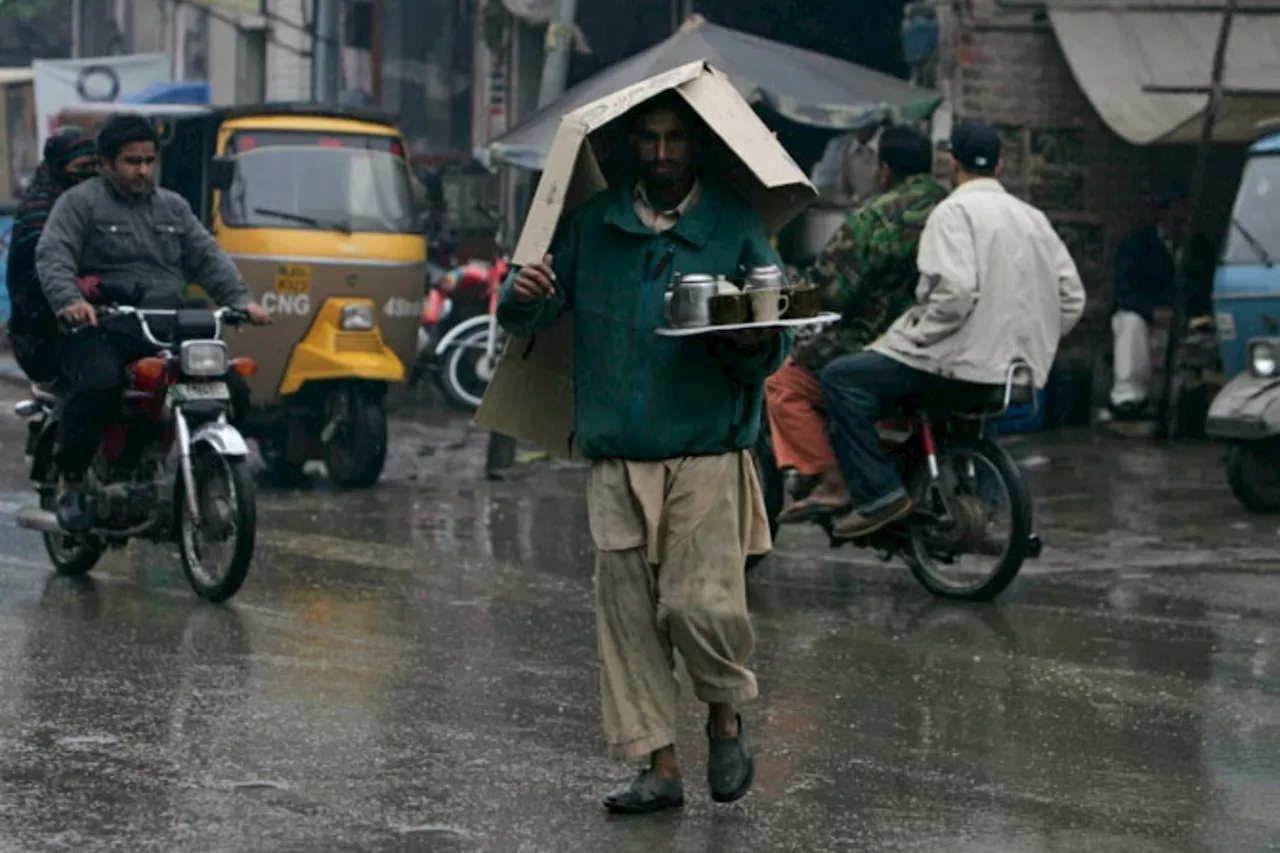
<point>1262,358</point>
<point>204,358</point>
<point>357,318</point>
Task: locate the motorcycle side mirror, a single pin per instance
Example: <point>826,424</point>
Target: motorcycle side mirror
<point>222,173</point>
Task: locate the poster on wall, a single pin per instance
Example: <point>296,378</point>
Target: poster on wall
<point>62,83</point>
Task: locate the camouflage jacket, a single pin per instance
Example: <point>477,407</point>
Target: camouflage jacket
<point>867,271</point>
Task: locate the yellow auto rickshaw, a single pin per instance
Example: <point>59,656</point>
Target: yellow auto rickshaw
<point>315,207</point>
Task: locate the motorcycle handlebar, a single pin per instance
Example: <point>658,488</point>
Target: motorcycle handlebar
<point>221,316</point>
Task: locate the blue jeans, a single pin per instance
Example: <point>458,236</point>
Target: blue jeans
<point>855,390</point>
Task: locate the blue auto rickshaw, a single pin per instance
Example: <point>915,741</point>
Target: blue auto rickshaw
<point>1246,305</point>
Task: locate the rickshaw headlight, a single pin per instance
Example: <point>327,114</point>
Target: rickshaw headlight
<point>1262,358</point>
<point>204,358</point>
<point>357,318</point>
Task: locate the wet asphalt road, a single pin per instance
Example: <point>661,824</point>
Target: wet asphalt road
<point>413,668</point>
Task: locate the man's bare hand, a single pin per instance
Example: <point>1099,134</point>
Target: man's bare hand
<point>257,314</point>
<point>80,314</point>
<point>536,281</point>
<point>750,338</point>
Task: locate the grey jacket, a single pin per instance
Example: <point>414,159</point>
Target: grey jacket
<point>141,248</point>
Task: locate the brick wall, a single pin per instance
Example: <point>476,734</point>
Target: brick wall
<point>1006,67</point>
<point>1010,71</point>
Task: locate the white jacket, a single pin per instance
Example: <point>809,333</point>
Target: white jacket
<point>996,284</point>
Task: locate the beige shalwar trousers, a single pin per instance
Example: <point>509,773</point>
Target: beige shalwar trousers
<point>672,539</point>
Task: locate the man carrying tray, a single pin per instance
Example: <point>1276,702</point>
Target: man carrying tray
<point>674,504</point>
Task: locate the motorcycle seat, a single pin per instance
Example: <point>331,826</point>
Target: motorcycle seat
<point>979,400</point>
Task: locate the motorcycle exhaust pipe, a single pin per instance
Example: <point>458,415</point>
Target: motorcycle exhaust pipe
<point>39,520</point>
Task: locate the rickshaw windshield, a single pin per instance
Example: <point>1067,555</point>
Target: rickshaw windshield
<point>319,181</point>
<point>1255,231</point>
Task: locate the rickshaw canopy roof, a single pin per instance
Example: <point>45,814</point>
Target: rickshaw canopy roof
<point>218,115</point>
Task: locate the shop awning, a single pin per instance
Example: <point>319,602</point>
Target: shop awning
<point>1119,54</point>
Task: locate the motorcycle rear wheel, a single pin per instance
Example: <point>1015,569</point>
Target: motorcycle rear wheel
<point>920,557</point>
<point>237,505</point>
<point>71,555</point>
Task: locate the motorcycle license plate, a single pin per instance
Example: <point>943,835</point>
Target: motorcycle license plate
<point>196,392</point>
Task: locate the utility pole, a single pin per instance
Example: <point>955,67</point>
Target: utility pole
<point>77,28</point>
<point>559,46</point>
<point>375,52</point>
<point>501,454</point>
<point>1181,286</point>
<point>325,52</point>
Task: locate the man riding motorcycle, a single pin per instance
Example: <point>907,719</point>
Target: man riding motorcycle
<point>997,285</point>
<point>866,273</point>
<point>137,244</point>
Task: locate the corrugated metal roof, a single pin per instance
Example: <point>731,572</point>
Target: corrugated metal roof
<point>1116,52</point>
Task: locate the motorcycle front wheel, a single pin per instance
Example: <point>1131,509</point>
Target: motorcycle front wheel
<point>216,552</point>
<point>468,369</point>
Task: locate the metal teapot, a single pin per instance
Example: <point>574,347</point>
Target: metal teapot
<point>765,278</point>
<point>688,301</point>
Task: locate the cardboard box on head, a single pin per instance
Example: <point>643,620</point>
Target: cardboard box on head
<point>531,394</point>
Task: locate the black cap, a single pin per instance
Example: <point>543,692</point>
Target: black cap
<point>976,146</point>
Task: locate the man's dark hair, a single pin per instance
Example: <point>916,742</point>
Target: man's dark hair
<point>906,152</point>
<point>124,129</point>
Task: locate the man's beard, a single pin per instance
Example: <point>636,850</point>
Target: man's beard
<point>136,187</point>
<point>673,175</point>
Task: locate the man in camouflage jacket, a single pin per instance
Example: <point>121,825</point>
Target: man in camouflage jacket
<point>867,274</point>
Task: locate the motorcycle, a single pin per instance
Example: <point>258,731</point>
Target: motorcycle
<point>458,345</point>
<point>956,474</point>
<point>170,469</point>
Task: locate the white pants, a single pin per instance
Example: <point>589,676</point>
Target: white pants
<point>1131,371</point>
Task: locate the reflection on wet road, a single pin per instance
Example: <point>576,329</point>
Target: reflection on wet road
<point>413,668</point>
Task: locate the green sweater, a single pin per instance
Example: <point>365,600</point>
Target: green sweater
<point>638,396</point>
